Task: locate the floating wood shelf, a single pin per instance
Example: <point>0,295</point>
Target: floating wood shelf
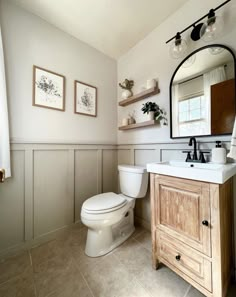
<point>140,96</point>
<point>139,125</point>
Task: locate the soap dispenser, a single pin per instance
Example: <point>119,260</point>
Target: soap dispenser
<point>219,154</point>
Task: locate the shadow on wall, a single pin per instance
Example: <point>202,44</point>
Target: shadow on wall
<point>142,211</point>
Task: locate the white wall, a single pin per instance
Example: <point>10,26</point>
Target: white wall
<point>150,59</point>
<point>29,40</point>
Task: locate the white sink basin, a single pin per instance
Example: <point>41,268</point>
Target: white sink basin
<point>209,172</point>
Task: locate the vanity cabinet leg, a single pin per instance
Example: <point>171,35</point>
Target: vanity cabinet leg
<point>155,262</point>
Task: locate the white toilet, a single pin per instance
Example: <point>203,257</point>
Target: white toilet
<point>109,217</point>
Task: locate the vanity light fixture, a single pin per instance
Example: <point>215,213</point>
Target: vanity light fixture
<point>178,47</point>
<point>212,28</point>
<point>207,31</point>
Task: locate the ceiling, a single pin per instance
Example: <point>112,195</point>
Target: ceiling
<point>203,61</point>
<point>111,26</point>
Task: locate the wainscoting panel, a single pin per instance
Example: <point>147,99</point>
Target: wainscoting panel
<point>124,156</point>
<point>172,154</point>
<point>12,204</point>
<point>87,166</point>
<point>109,174</point>
<point>52,202</point>
<point>144,156</point>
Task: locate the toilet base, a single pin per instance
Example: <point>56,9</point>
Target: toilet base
<point>103,241</point>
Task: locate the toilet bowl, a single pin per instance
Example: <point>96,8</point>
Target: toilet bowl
<point>109,216</point>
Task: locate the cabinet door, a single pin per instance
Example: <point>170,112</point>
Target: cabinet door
<point>183,211</point>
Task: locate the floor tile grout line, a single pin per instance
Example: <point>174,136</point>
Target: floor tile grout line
<point>16,276</point>
<point>9,280</point>
<point>143,246</point>
<point>91,291</point>
<point>81,273</point>
<point>137,235</point>
<point>187,291</point>
<point>135,278</point>
<point>30,256</point>
<point>31,263</point>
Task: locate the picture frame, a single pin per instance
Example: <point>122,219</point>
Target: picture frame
<point>48,89</point>
<point>85,99</point>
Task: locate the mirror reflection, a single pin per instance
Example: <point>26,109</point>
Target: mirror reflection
<point>203,94</point>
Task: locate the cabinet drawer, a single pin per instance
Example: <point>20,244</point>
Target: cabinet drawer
<point>185,259</point>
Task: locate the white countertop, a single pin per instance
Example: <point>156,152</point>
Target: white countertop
<point>208,172</point>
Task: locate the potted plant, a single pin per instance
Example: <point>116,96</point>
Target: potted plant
<point>127,86</point>
<point>154,112</point>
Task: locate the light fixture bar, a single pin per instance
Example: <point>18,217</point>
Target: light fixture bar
<point>193,24</point>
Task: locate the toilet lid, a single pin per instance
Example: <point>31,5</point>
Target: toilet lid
<point>105,202</point>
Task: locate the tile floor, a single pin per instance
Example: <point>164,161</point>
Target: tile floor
<point>60,268</point>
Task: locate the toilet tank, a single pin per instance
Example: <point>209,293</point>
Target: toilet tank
<point>133,180</point>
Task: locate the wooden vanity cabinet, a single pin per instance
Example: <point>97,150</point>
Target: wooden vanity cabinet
<point>192,231</point>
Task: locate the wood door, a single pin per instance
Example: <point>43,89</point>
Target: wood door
<point>182,207</point>
<point>223,107</point>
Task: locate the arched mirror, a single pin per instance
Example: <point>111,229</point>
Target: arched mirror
<point>202,93</point>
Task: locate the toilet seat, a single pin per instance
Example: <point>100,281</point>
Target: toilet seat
<point>104,203</point>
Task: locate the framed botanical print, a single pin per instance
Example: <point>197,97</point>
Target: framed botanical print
<point>48,89</point>
<point>85,99</point>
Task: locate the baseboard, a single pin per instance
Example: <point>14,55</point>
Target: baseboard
<point>141,222</point>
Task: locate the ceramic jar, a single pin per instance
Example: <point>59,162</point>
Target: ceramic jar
<point>126,94</point>
<point>151,83</point>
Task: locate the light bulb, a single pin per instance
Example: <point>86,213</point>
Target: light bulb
<point>178,48</point>
<point>189,62</point>
<point>215,50</point>
<point>212,28</point>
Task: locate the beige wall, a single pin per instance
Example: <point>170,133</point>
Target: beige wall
<point>29,40</point>
<point>48,186</point>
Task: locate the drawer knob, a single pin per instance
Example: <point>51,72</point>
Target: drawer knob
<point>205,223</point>
<point>178,257</point>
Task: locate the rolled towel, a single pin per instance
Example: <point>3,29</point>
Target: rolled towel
<point>232,152</point>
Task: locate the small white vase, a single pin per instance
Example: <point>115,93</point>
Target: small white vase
<point>126,94</point>
<point>150,115</point>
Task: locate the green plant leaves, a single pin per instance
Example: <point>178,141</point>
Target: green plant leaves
<point>159,114</point>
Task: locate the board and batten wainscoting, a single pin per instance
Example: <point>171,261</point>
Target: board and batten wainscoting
<point>48,186</point>
<point>51,181</point>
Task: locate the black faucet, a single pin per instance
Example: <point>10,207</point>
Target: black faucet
<point>194,158</point>
<point>192,141</point>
